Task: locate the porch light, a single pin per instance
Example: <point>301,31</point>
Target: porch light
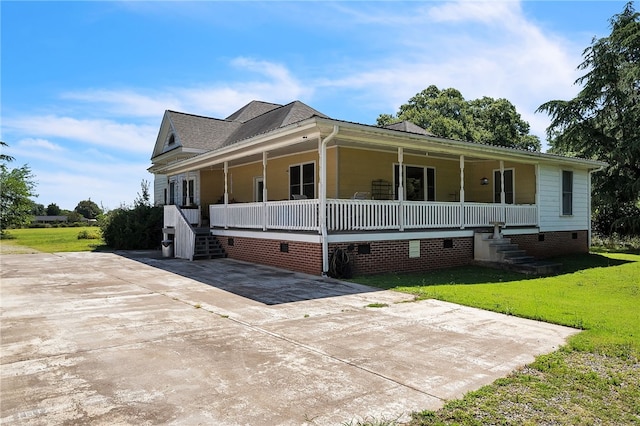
<point>484,181</point>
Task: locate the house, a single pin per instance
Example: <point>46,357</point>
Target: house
<point>288,186</point>
<point>49,219</point>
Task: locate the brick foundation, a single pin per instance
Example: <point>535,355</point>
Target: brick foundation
<point>552,244</point>
<point>393,256</point>
<point>300,256</point>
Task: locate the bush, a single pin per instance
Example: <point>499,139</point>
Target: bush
<point>136,228</point>
<point>86,235</point>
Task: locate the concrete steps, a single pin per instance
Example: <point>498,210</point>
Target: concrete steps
<point>501,253</point>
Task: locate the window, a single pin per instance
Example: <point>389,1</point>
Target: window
<point>508,186</point>
<point>258,185</point>
<point>302,180</point>
<point>418,182</point>
<point>187,189</point>
<point>567,193</point>
<point>172,139</point>
<point>172,193</point>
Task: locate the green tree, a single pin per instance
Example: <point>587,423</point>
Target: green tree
<point>53,210</point>
<point>38,209</point>
<point>5,157</point>
<point>88,209</point>
<point>74,217</point>
<point>447,114</point>
<point>603,122</point>
<point>16,188</point>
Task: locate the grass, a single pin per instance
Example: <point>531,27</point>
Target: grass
<point>52,240</point>
<point>595,379</point>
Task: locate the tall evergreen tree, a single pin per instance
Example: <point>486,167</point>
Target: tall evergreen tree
<point>603,122</point>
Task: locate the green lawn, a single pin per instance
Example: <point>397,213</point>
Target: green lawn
<point>51,240</point>
<point>594,379</point>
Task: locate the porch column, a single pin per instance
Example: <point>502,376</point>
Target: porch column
<point>187,198</point>
<point>264,191</point>
<point>400,188</point>
<point>462,218</point>
<point>537,172</point>
<point>226,192</point>
<point>502,194</point>
<point>322,194</point>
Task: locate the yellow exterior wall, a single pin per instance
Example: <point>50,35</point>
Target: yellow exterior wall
<point>358,167</point>
<point>241,179</point>
<point>524,181</point>
<point>211,187</point>
<point>351,170</point>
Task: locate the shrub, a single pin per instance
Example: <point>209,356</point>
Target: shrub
<point>88,235</point>
<point>136,228</point>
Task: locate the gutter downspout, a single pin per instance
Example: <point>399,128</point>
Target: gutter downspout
<point>599,169</point>
<point>323,199</point>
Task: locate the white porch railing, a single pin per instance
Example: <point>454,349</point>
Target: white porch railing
<point>362,215</point>
<point>297,215</point>
<point>368,215</point>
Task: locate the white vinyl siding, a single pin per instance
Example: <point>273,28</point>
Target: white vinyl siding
<point>159,186</point>
<point>550,196</point>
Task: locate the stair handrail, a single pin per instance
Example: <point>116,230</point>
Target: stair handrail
<point>185,237</point>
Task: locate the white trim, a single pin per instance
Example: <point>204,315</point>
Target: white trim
<point>315,177</point>
<point>562,213</point>
<point>398,236</point>
<point>513,184</point>
<point>355,237</point>
<point>261,235</point>
<point>425,188</point>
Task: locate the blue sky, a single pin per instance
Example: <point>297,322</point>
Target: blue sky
<point>84,85</point>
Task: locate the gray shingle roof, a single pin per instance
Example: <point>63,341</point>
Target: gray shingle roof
<point>407,126</point>
<point>194,131</point>
<point>252,110</point>
<point>255,118</point>
<point>279,117</point>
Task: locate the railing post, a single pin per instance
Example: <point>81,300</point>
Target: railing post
<point>400,188</point>
<point>462,218</point>
<point>226,194</point>
<point>264,191</point>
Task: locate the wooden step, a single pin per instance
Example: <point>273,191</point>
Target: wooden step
<point>208,247</point>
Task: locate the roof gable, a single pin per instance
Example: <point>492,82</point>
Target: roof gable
<point>273,119</point>
<point>252,110</point>
<point>197,132</point>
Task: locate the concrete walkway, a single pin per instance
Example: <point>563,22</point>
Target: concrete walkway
<point>99,338</point>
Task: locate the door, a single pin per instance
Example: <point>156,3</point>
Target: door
<point>258,186</point>
<point>419,183</point>
<point>508,186</point>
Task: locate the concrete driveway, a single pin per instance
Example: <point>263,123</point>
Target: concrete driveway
<point>99,338</point>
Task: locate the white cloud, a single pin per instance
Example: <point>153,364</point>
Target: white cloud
<point>127,102</point>
<point>68,187</point>
<point>40,144</point>
<point>107,133</point>
<point>479,48</point>
<point>274,83</point>
<point>475,11</point>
